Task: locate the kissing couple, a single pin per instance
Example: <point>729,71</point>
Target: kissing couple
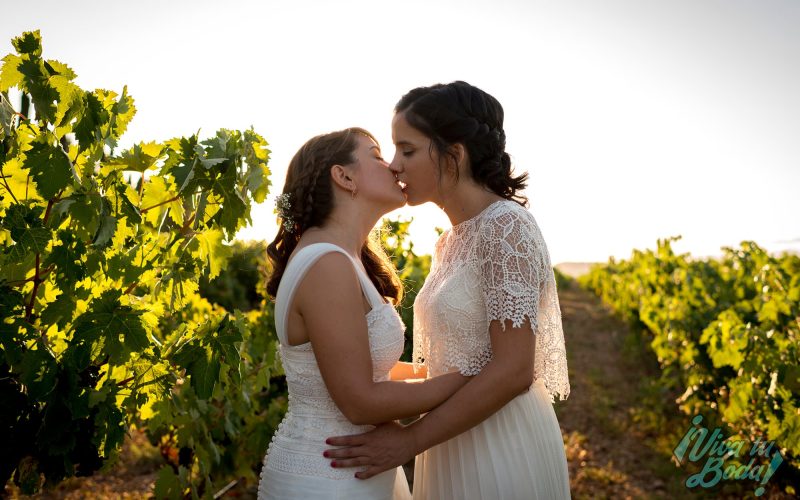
<point>489,356</point>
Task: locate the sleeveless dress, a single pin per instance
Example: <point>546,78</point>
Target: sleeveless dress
<point>294,467</point>
<point>494,266</point>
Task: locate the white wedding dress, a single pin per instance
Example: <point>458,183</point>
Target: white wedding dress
<point>294,467</point>
<point>494,266</point>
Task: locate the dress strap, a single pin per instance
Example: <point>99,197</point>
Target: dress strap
<point>296,270</point>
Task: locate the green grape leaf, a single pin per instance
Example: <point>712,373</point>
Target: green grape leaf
<point>9,73</point>
<point>224,345</point>
<point>39,373</point>
<point>201,366</point>
<point>60,311</point>
<point>126,207</point>
<point>88,127</point>
<point>36,81</point>
<point>232,213</point>
<point>49,167</point>
<point>181,161</point>
<point>256,155</point>
<point>168,486</point>
<point>105,231</point>
<point>206,162</point>
<point>26,230</point>
<point>726,339</point>
<point>62,69</point>
<point>157,191</point>
<point>16,180</point>
<point>110,426</point>
<point>29,43</point>
<point>59,211</point>
<point>7,117</point>
<point>67,257</point>
<point>212,250</point>
<point>85,214</point>
<point>119,327</point>
<point>70,103</point>
<point>140,158</point>
<point>122,112</point>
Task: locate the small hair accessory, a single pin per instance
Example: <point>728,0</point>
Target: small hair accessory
<point>282,207</point>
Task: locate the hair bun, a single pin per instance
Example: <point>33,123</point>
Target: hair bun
<point>458,112</point>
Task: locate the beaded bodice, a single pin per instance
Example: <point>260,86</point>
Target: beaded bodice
<point>312,415</point>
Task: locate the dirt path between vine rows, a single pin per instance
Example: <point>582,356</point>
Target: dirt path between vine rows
<point>606,455</point>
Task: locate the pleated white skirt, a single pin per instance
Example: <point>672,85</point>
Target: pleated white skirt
<point>517,453</point>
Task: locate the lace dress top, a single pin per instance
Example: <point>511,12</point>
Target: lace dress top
<point>312,415</point>
<point>494,266</point>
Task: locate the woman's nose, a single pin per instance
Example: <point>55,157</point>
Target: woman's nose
<point>395,167</point>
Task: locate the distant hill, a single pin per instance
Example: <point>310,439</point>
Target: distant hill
<point>574,269</point>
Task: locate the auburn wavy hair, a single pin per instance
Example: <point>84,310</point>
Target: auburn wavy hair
<point>310,189</point>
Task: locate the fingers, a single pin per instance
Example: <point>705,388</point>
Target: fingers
<point>350,462</point>
<point>370,471</point>
<point>353,440</point>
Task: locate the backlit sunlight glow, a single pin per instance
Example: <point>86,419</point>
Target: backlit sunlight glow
<point>635,120</point>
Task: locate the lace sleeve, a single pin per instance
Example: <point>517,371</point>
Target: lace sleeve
<point>517,282</point>
<point>513,268</point>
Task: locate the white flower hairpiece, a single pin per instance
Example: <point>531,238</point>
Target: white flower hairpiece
<point>282,207</point>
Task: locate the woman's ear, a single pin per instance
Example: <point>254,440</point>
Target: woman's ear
<point>342,177</point>
<point>457,158</point>
<point>460,154</point>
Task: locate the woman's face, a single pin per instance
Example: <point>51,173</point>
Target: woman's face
<point>374,181</point>
<point>415,163</point>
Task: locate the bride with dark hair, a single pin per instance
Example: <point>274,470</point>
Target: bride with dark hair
<point>339,337</point>
<point>488,309</point>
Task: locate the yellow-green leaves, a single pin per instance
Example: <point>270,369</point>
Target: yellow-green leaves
<point>100,255</point>
<point>25,225</point>
<point>726,340</point>
<point>160,196</point>
<point>212,251</point>
<point>9,72</point>
<point>28,43</point>
<point>140,158</point>
<point>117,328</point>
<point>49,166</point>
<point>724,330</point>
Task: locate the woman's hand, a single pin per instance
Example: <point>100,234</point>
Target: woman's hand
<point>387,446</point>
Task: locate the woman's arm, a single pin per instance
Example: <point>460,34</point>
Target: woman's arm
<point>329,300</point>
<point>405,371</point>
<point>508,374</point>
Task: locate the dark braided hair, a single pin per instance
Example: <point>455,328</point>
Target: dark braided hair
<point>310,189</point>
<point>459,113</point>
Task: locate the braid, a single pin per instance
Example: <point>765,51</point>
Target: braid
<point>459,113</point>
<point>308,207</point>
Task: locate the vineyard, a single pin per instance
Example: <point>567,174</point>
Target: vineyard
<point>103,326</point>
<point>127,306</point>
<point>726,333</point>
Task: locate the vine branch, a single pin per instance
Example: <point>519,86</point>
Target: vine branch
<point>8,188</point>
<point>177,197</point>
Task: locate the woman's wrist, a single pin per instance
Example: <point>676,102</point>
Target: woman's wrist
<point>414,436</point>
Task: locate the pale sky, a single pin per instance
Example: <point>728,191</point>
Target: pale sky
<point>635,119</point>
